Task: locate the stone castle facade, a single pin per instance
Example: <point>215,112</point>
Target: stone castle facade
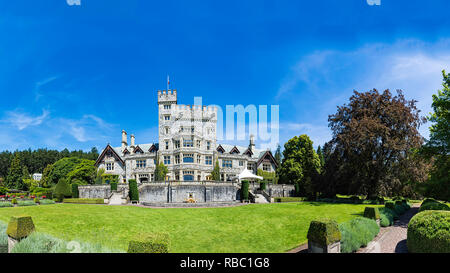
<point>187,145</point>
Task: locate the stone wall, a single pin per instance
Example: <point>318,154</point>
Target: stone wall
<point>179,192</point>
<point>94,191</point>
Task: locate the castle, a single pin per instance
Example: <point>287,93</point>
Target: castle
<point>187,145</point>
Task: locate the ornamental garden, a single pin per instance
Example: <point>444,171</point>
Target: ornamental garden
<point>375,175</point>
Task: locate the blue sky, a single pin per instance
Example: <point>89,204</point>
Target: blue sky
<point>75,76</point>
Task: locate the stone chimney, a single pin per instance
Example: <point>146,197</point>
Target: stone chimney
<point>124,139</point>
<point>132,140</point>
<point>251,146</point>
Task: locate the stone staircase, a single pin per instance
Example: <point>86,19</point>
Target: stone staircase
<point>259,198</point>
<point>116,198</point>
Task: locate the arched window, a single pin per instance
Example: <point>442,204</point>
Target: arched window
<point>188,158</point>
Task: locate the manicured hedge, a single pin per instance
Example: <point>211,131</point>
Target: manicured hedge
<point>113,186</point>
<point>429,232</point>
<point>20,227</point>
<point>244,190</point>
<point>324,232</point>
<point>262,185</point>
<point>133,190</point>
<point>84,200</point>
<point>372,213</point>
<point>149,243</point>
<point>357,233</point>
<point>75,192</point>
<point>26,203</point>
<point>431,204</point>
<point>387,217</point>
<point>288,199</point>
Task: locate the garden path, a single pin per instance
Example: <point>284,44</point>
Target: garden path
<point>393,239</point>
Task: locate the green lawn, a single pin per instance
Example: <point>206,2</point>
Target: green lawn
<point>275,227</point>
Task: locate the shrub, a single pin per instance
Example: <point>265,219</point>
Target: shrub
<point>428,200</point>
<point>288,199</point>
<point>75,192</point>
<point>371,213</point>
<point>387,217</point>
<point>84,200</point>
<point>46,202</point>
<point>356,233</point>
<point>5,204</point>
<point>389,205</point>
<point>355,199</point>
<point>324,232</point>
<point>26,203</point>
<point>3,238</point>
<point>262,185</point>
<point>149,243</point>
<point>20,227</point>
<point>244,190</point>
<point>429,232</point>
<point>62,189</point>
<point>433,206</point>
<point>113,186</point>
<point>39,243</point>
<point>36,200</point>
<point>14,201</point>
<point>133,190</point>
<point>380,199</point>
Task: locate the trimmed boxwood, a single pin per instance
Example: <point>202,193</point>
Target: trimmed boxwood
<point>84,200</point>
<point>20,227</point>
<point>75,192</point>
<point>372,213</point>
<point>262,185</point>
<point>133,190</point>
<point>387,217</point>
<point>390,205</point>
<point>429,232</point>
<point>149,243</point>
<point>113,186</point>
<point>434,206</point>
<point>244,190</point>
<point>324,232</point>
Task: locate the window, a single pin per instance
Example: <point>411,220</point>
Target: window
<point>177,159</point>
<point>199,142</point>
<point>192,129</point>
<point>167,130</point>
<point>167,106</point>
<point>249,167</point>
<point>188,158</point>
<point>167,159</point>
<point>177,144</point>
<point>152,177</point>
<point>267,167</point>
<point>222,177</point>
<point>181,129</point>
<point>241,163</point>
<point>199,159</point>
<point>141,164</point>
<point>167,145</point>
<point>208,145</point>
<point>110,166</point>
<point>227,163</point>
<point>166,117</point>
<point>208,160</point>
<point>188,143</point>
<point>188,175</point>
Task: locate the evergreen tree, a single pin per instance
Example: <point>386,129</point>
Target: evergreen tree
<point>62,189</point>
<point>15,173</point>
<point>321,157</point>
<point>161,172</point>
<point>215,175</point>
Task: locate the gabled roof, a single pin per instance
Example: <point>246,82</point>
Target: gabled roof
<point>108,151</point>
<point>267,156</point>
<point>248,152</point>
<point>126,151</point>
<point>138,149</point>
<point>220,148</point>
<point>234,150</point>
<point>153,148</point>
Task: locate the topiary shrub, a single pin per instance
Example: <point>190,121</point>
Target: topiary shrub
<point>263,185</point>
<point>113,186</point>
<point>62,190</point>
<point>372,213</point>
<point>429,200</point>
<point>84,200</point>
<point>324,232</point>
<point>75,192</point>
<point>149,243</point>
<point>20,227</point>
<point>244,190</point>
<point>133,190</point>
<point>36,200</point>
<point>389,205</point>
<point>429,232</point>
<point>355,199</point>
<point>357,233</point>
<point>433,206</point>
<point>387,217</point>
<point>14,201</point>
<point>380,199</point>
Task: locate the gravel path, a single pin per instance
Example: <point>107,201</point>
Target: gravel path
<point>393,238</point>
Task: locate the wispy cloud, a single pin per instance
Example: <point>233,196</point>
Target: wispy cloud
<point>22,120</point>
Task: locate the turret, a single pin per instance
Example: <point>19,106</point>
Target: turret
<point>251,146</point>
<point>132,140</point>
